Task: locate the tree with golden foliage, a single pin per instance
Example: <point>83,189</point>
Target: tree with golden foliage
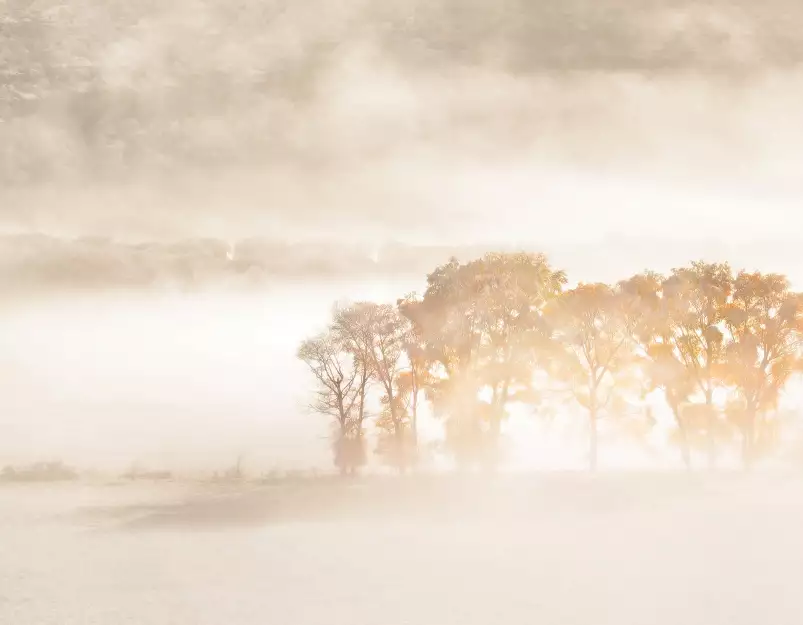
<point>764,322</point>
<point>501,329</point>
<point>697,297</point>
<point>592,339</point>
<point>478,323</point>
<point>659,360</point>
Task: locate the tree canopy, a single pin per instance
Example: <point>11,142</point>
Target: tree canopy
<point>505,330</point>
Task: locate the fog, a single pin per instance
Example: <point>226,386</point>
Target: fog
<point>610,136</point>
<point>621,549</point>
<point>150,122</point>
<point>186,189</point>
<point>183,381</point>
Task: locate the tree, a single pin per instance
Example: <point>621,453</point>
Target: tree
<point>377,334</point>
<point>653,335</point>
<point>342,389</point>
<point>591,347</point>
<point>765,324</point>
<point>501,329</point>
<point>478,323</point>
<point>697,298</point>
<point>417,378</point>
<point>517,288</point>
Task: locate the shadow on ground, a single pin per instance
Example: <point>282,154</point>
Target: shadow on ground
<point>433,498</point>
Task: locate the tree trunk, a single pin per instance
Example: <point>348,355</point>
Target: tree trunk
<point>414,413</point>
<point>684,437</point>
<point>400,450</point>
<point>710,428</point>
<point>339,448</point>
<point>497,413</point>
<point>592,435</point>
<point>749,438</point>
<point>709,402</point>
<point>490,443</point>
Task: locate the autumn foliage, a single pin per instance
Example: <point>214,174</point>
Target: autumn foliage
<point>718,347</point>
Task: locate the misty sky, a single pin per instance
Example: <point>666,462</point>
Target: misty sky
<point>615,136</point>
<point>517,119</point>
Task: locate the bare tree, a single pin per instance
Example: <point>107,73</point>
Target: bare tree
<point>342,385</point>
<point>376,334</point>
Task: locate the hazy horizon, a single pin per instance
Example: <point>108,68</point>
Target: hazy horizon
<point>185,189</point>
<point>411,312</point>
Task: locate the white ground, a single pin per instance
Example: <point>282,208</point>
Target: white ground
<point>564,549</point>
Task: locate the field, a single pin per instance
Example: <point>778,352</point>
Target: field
<point>659,549</point>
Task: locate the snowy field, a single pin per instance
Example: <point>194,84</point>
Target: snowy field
<point>561,549</point>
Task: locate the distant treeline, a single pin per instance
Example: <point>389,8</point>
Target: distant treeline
<point>506,329</point>
<point>40,262</point>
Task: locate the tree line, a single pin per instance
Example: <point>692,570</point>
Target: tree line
<point>507,328</point>
<point>31,262</point>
